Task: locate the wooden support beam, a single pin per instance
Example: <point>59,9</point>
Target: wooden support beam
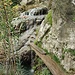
<point>50,63</point>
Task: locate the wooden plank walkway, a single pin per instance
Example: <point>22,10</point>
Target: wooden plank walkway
<point>50,63</point>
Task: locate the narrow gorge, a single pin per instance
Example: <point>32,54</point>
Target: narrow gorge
<point>41,26</point>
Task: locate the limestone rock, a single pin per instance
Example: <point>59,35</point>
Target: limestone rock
<point>43,29</point>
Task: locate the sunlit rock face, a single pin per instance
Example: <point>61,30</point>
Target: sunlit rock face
<point>63,24</point>
<point>61,38</point>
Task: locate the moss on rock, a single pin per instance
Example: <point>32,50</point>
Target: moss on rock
<point>49,17</point>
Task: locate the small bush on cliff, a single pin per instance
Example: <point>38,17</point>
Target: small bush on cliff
<point>49,17</point>
<point>45,71</point>
<point>38,43</point>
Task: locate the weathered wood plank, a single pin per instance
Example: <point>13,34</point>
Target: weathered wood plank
<point>50,63</point>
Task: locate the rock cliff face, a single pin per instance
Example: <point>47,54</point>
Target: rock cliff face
<point>60,38</point>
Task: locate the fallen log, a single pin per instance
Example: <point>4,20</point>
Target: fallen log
<point>49,62</point>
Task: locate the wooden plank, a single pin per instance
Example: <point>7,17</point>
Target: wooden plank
<point>50,63</point>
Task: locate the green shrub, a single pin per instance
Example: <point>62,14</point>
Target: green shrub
<point>49,18</point>
<point>37,31</point>
<point>40,68</point>
<point>46,51</point>
<point>38,43</point>
<point>71,51</point>
<point>45,71</point>
<point>55,58</point>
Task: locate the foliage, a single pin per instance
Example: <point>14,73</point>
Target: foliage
<point>71,51</point>
<point>20,69</point>
<point>35,42</point>
<point>40,68</point>
<point>15,10</point>
<point>3,71</point>
<point>37,31</point>
<point>38,43</point>
<point>44,71</point>
<point>46,51</point>
<point>56,58</point>
<point>39,63</point>
<point>7,35</point>
<point>49,17</point>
